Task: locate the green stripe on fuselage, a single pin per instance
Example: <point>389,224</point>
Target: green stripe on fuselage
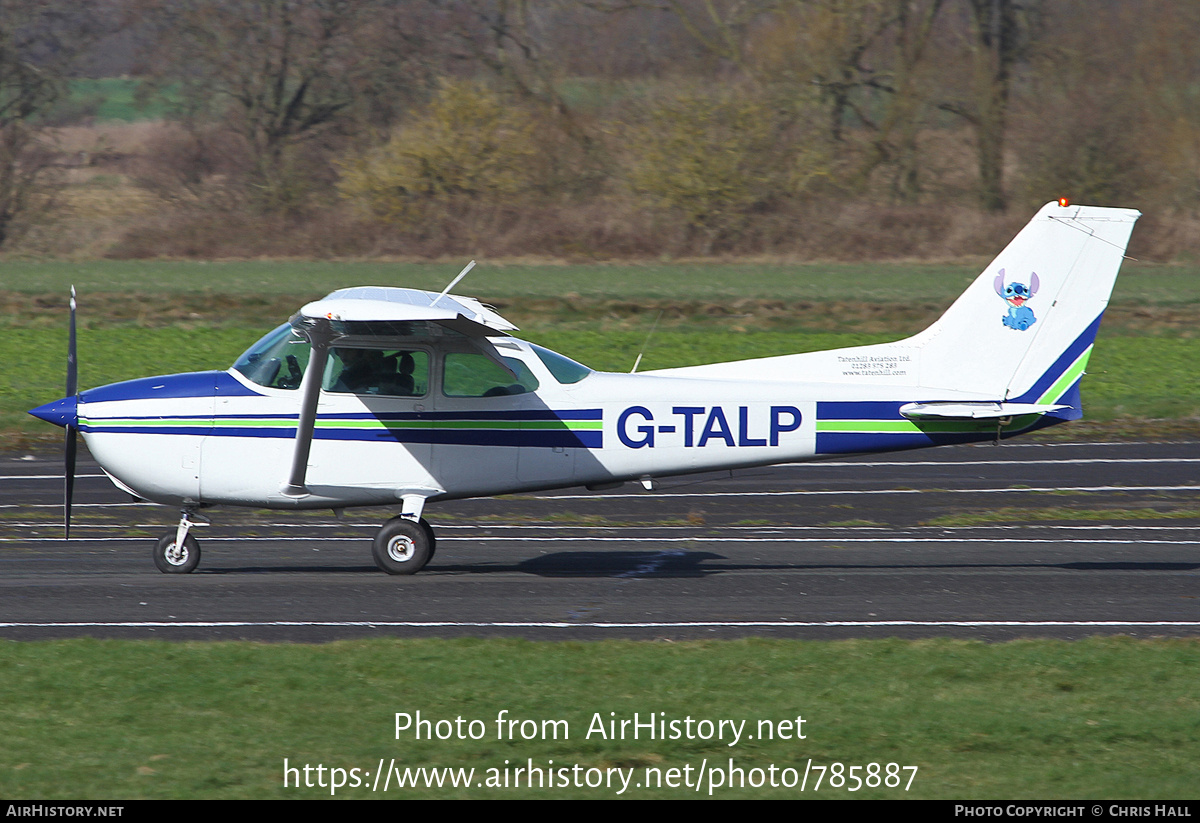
<point>919,427</point>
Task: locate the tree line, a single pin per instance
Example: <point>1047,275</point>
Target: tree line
<point>698,125</point>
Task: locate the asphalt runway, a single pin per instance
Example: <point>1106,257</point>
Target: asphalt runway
<point>991,543</point>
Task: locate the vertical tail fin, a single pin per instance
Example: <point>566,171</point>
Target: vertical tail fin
<point>1023,330</point>
<point>1020,333</point>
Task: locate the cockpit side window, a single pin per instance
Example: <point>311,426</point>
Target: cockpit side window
<point>467,374</point>
<point>392,372</point>
<point>277,361</point>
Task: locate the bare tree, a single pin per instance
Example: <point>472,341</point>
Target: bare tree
<point>864,59</point>
<point>280,73</point>
<point>42,43</point>
<point>519,42</point>
<point>999,33</point>
<point>868,61</point>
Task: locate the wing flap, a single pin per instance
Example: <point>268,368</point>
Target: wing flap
<point>973,411</point>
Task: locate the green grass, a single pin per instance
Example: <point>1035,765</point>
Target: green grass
<point>1143,377</point>
<point>36,359</point>
<point>897,283</point>
<point>1032,514</point>
<point>1130,379</point>
<point>155,317</point>
<point>114,98</point>
<point>1100,718</point>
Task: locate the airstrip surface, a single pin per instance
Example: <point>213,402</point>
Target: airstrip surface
<point>1048,540</point>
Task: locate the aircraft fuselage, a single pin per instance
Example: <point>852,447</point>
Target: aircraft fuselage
<point>217,437</point>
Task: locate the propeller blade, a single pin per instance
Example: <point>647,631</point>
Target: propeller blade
<point>71,445</point>
<point>72,361</point>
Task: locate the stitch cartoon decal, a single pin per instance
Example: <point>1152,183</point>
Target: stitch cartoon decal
<point>1019,316</point>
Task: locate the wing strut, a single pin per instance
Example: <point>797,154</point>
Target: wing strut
<point>319,336</point>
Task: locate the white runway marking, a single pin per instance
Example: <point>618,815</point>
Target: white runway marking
<point>666,492</point>
<point>372,527</point>
<point>76,505</point>
<point>691,539</point>
<point>1057,461</point>
<point>57,477</point>
<point>802,492</point>
<point>852,463</point>
<point>699,624</point>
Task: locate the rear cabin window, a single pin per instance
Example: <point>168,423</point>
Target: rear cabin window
<point>466,374</point>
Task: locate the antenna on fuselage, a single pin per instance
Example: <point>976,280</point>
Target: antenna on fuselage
<point>453,283</point>
<point>638,362</point>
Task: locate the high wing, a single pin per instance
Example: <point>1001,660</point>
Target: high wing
<point>378,305</point>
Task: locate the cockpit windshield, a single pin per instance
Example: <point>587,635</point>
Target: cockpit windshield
<point>564,369</point>
<point>276,361</point>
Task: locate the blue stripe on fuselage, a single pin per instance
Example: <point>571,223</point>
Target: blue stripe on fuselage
<point>191,384</point>
<point>428,433</point>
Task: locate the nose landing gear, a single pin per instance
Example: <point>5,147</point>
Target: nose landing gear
<point>177,552</point>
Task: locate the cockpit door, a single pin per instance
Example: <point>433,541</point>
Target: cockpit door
<point>493,426</point>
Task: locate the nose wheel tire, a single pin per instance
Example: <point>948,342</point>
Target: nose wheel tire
<point>402,546</point>
<point>172,560</point>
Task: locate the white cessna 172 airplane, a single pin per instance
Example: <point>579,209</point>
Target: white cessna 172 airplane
<point>378,395</point>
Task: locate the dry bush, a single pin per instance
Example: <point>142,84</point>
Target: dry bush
<point>713,159</point>
<point>1096,155</point>
<point>812,229</point>
<point>1110,115</point>
<point>190,165</point>
<point>207,233</point>
<point>469,145</point>
<point>1166,235</point>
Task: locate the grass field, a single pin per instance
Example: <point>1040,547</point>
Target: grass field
<point>1131,380</point>
<point>1101,718</point>
<point>113,98</point>
<point>156,317</point>
<point>893,283</point>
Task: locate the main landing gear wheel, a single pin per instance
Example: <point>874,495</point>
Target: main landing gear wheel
<point>402,546</point>
<point>172,560</point>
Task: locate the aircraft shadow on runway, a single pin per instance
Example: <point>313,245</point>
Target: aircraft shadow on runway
<point>681,564</point>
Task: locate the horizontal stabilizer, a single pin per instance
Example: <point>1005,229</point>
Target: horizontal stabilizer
<point>973,411</point>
